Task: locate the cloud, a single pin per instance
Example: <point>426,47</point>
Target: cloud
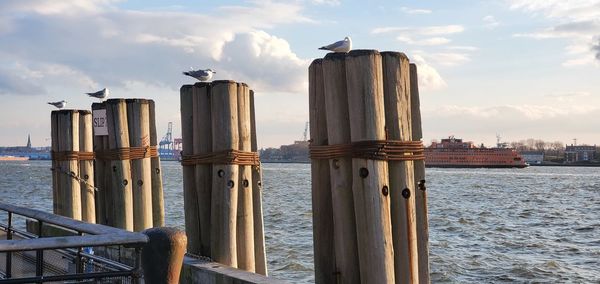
<point>326,2</point>
<point>596,48</point>
<point>423,31</point>
<point>429,78</point>
<point>415,11</point>
<point>427,41</point>
<point>490,22</point>
<point>146,46</point>
<point>578,22</point>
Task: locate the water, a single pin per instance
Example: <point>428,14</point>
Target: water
<point>540,224</point>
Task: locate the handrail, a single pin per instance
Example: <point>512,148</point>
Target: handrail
<point>97,235</point>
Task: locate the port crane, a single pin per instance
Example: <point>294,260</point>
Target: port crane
<point>305,134</point>
<point>167,141</point>
<point>169,148</point>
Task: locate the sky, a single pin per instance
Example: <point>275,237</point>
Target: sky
<point>517,68</point>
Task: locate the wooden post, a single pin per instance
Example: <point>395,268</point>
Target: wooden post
<point>396,85</point>
<point>55,166</point>
<point>86,168</point>
<point>109,191</point>
<point>245,220</point>
<point>158,203</point>
<point>370,177</point>
<point>202,144</point>
<point>190,197</point>
<point>340,169</point>
<point>138,117</point>
<point>99,173</point>
<point>118,137</point>
<point>324,252</point>
<point>69,190</point>
<point>421,194</point>
<point>259,231</point>
<point>224,177</point>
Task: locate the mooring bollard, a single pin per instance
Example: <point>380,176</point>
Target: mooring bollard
<point>162,256</point>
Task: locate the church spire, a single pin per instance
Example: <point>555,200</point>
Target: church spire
<point>28,140</point>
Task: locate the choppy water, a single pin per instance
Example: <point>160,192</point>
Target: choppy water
<point>540,224</point>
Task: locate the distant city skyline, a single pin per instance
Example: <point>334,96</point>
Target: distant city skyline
<point>518,68</point>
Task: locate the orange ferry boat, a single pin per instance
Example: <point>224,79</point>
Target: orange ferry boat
<point>454,153</point>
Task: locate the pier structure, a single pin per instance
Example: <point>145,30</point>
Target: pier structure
<point>364,188</point>
<point>221,175</point>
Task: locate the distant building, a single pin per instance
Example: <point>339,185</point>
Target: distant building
<point>579,153</point>
<point>28,141</point>
<point>532,157</point>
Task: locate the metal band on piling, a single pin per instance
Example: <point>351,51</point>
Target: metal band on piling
<point>227,157</point>
<point>386,150</point>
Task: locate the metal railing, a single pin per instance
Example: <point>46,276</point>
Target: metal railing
<point>82,252</point>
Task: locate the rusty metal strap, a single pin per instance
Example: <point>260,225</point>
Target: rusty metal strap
<point>72,156</point>
<point>129,153</point>
<point>226,157</point>
<point>386,150</point>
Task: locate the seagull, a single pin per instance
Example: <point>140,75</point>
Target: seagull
<point>340,46</point>
<point>59,104</point>
<point>102,94</point>
<point>202,75</point>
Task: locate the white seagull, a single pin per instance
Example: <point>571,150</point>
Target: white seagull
<point>340,46</point>
<point>102,94</point>
<point>59,104</point>
<point>202,75</point>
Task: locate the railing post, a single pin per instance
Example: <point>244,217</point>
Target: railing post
<point>8,253</point>
<point>39,259</point>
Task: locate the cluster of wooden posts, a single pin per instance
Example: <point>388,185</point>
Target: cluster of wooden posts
<point>221,175</point>
<point>369,214</point>
<point>119,173</point>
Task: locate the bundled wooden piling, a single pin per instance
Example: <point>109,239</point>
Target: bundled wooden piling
<point>158,204</point>
<point>100,173</point>
<point>221,175</point>
<point>202,144</point>
<point>259,231</point>
<point>120,175</point>
<point>396,85</point>
<point>340,169</point>
<point>363,99</point>
<point>224,207</point>
<point>138,117</point>
<point>86,167</point>
<point>65,150</point>
<point>190,196</point>
<point>422,221</point>
<point>323,239</point>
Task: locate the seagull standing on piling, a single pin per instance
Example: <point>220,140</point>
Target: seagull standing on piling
<point>102,94</point>
<point>202,75</point>
<point>59,104</point>
<point>339,46</point>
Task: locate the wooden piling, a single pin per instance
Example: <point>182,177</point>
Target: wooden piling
<point>86,168</point>
<point>99,173</point>
<point>245,222</point>
<point>190,197</point>
<point>158,204</point>
<point>422,221</point>
<point>259,232</point>
<point>323,240</point>
<point>202,144</point>
<point>138,120</point>
<point>370,177</point>
<point>120,175</point>
<point>69,190</point>
<point>396,85</point>
<point>224,196</point>
<point>55,167</point>
<point>340,169</point>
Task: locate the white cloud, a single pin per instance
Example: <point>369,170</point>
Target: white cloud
<point>426,41</point>
<point>577,21</point>
<point>423,31</point>
<point>415,11</point>
<point>490,22</point>
<point>429,78</point>
<point>326,2</point>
